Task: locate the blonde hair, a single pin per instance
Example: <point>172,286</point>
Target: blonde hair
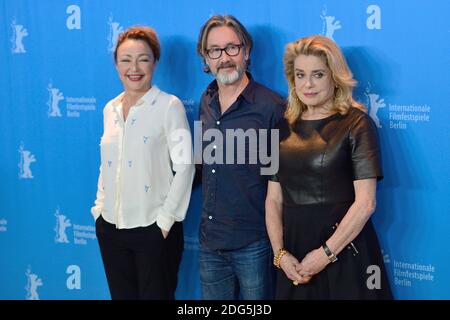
<point>326,49</point>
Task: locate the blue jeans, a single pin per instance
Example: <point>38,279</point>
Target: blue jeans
<point>245,273</point>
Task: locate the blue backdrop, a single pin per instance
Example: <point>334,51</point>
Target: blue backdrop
<point>57,73</point>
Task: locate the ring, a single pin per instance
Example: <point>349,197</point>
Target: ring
<point>295,283</point>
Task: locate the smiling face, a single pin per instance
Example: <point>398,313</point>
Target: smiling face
<point>227,69</point>
<point>314,84</point>
<point>135,65</point>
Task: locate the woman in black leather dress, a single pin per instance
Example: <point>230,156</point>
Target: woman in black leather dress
<point>318,206</point>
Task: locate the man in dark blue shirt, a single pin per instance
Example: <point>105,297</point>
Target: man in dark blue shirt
<point>237,116</point>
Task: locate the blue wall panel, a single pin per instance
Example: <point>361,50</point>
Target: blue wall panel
<point>57,73</point>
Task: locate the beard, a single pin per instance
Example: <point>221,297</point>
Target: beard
<point>229,77</point>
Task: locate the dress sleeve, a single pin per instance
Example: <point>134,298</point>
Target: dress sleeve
<point>279,123</point>
<point>274,178</point>
<point>365,149</point>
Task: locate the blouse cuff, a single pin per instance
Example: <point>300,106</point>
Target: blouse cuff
<point>96,212</point>
<point>164,222</point>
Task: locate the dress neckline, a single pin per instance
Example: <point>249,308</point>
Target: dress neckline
<point>317,120</point>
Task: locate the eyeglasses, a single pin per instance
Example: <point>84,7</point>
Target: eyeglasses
<point>231,50</point>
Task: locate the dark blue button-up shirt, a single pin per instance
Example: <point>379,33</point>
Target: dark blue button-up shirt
<point>233,213</point>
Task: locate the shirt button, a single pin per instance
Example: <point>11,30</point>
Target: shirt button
<point>213,171</point>
<point>217,122</point>
<point>215,147</point>
<point>210,217</point>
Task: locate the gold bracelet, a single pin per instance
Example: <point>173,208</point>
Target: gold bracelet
<point>278,256</point>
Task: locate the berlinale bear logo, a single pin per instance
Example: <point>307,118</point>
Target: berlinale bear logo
<point>54,97</point>
<point>62,222</point>
<point>330,25</point>
<point>26,159</point>
<point>19,32</point>
<point>33,282</point>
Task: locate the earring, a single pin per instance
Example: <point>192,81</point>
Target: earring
<point>338,91</point>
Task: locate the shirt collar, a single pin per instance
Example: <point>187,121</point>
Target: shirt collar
<point>248,93</point>
<point>148,98</point>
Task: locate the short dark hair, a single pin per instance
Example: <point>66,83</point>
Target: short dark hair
<point>146,34</point>
<point>228,21</point>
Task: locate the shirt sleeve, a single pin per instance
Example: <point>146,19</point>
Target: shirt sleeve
<point>179,141</point>
<point>365,149</point>
<point>96,210</point>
